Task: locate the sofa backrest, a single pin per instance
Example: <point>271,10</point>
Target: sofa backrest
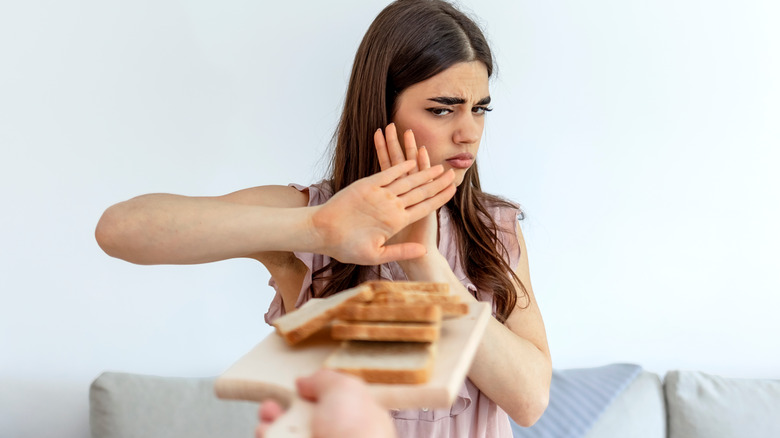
<point>137,406</point>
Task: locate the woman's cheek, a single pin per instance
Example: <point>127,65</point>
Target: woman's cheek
<point>430,144</point>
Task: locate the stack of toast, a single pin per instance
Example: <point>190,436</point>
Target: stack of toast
<point>389,329</point>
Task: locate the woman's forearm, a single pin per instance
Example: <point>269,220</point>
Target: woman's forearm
<point>173,229</point>
<point>507,367</point>
<point>513,372</point>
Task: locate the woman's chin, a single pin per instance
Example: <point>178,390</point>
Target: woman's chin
<point>460,175</point>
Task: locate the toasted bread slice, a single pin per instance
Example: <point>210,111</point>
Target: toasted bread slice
<point>408,286</point>
<point>385,297</point>
<point>385,331</point>
<point>390,312</point>
<point>317,313</point>
<point>385,362</point>
<point>453,310</point>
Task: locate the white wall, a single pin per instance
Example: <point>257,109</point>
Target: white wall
<point>642,138</point>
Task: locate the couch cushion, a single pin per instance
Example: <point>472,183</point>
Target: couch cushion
<point>130,405</point>
<point>578,397</point>
<point>702,405</point>
<point>638,412</point>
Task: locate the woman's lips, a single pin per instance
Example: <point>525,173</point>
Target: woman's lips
<point>461,161</point>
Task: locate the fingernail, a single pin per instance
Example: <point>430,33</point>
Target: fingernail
<point>421,147</point>
<point>409,130</point>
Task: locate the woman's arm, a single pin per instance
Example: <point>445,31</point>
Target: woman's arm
<point>353,226</point>
<point>512,365</point>
<point>174,229</point>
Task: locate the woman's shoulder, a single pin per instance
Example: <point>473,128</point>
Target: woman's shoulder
<point>502,209</point>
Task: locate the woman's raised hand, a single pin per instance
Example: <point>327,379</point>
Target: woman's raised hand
<point>390,153</point>
<point>389,150</point>
<point>354,226</point>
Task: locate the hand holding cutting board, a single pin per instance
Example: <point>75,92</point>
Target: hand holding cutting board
<point>341,407</point>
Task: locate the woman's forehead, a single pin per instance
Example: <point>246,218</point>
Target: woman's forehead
<point>465,80</point>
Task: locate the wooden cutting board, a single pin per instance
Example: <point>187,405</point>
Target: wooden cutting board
<point>269,370</point>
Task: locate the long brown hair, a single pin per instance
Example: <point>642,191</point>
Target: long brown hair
<point>409,42</point>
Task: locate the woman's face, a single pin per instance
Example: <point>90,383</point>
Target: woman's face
<point>446,113</point>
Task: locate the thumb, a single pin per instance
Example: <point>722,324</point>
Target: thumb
<point>401,251</point>
<point>320,383</point>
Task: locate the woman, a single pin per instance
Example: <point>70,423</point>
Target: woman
<point>422,70</point>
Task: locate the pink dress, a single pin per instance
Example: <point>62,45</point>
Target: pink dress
<point>473,414</point>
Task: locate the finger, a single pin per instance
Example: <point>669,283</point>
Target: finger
<point>421,209</point>
<point>401,251</point>
<point>423,159</point>
<point>311,387</point>
<point>410,146</point>
<point>414,180</point>
<point>268,413</point>
<point>381,150</point>
<point>260,430</point>
<point>321,382</point>
<point>428,190</point>
<point>393,146</point>
<point>386,177</point>
<point>270,410</point>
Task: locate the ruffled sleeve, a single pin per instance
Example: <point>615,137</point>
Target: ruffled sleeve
<point>318,194</point>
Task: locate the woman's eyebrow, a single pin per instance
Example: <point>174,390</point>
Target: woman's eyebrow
<point>457,100</point>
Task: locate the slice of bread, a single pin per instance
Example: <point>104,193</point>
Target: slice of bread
<point>408,286</point>
<point>385,331</point>
<point>453,310</point>
<point>385,362</point>
<point>385,297</point>
<point>412,293</point>
<point>317,313</point>
<point>390,312</point>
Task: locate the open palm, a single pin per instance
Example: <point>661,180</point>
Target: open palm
<point>390,153</point>
<point>356,225</point>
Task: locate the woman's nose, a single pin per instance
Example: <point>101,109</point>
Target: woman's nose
<point>468,131</point>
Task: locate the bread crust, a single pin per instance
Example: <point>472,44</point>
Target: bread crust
<point>453,310</point>
<point>385,362</point>
<point>316,314</point>
<point>385,297</point>
<point>390,312</point>
<point>385,331</point>
<point>410,377</point>
<point>408,286</point>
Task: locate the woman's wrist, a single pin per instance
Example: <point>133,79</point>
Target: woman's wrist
<point>430,267</point>
<point>285,229</point>
<point>316,233</point>
<point>434,267</point>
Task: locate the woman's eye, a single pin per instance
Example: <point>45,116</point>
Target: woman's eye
<point>439,111</point>
<point>482,110</point>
